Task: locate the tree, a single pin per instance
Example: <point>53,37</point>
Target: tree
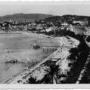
<point>6,25</point>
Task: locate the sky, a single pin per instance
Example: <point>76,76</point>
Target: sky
<point>45,7</point>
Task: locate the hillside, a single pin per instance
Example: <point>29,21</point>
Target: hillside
<point>24,17</point>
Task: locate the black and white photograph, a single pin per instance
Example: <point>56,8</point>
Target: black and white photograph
<point>44,42</point>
